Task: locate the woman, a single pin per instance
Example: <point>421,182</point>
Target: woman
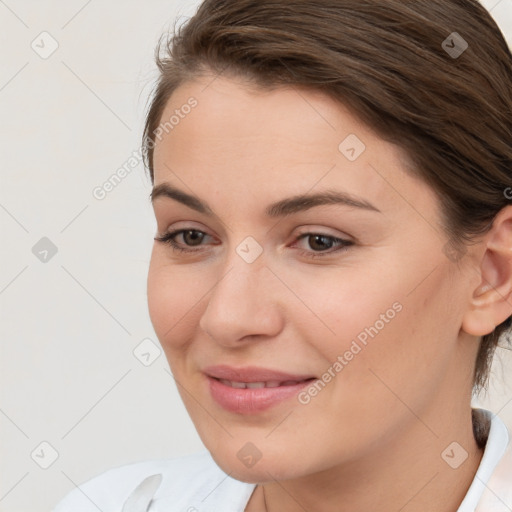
<point>332,269</point>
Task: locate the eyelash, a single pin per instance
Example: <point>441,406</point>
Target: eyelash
<point>168,238</point>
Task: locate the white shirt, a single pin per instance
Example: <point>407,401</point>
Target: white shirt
<point>194,483</point>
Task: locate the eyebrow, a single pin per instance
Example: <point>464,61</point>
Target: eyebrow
<point>281,208</point>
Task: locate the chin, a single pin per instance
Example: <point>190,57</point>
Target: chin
<point>270,467</point>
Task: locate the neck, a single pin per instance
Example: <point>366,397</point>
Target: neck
<point>406,473</point>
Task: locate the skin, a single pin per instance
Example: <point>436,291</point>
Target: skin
<point>372,439</point>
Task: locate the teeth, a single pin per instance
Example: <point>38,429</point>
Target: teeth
<point>258,385</point>
<point>255,385</point>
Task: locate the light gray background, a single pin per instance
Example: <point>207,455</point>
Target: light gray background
<point>69,326</point>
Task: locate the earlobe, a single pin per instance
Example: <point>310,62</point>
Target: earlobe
<point>491,301</point>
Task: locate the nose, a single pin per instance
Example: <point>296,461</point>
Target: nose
<point>243,305</point>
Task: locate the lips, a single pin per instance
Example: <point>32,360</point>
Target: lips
<point>251,390</point>
<point>254,374</point>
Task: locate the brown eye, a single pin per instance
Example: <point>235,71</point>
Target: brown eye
<point>320,242</point>
<point>321,245</point>
<point>193,237</point>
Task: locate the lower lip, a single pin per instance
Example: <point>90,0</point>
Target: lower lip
<point>252,401</point>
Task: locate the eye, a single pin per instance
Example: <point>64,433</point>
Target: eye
<point>191,238</point>
<point>322,244</point>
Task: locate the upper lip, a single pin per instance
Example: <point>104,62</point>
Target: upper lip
<point>252,374</point>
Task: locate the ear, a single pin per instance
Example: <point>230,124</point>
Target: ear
<point>491,301</point>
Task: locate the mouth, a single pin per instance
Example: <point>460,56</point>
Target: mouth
<point>253,374</point>
<point>252,390</point>
<point>262,384</point>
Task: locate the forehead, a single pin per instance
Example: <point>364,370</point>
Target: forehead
<point>228,108</point>
<point>285,139</point>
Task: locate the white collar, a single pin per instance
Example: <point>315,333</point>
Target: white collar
<point>495,448</point>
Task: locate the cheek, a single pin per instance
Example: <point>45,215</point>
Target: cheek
<point>391,347</point>
<point>173,294</point>
<point>381,319</point>
<point>412,355</point>
<point>347,303</point>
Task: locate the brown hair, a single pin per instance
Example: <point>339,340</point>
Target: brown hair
<point>389,62</point>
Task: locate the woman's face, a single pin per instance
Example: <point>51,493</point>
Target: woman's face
<point>357,293</point>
